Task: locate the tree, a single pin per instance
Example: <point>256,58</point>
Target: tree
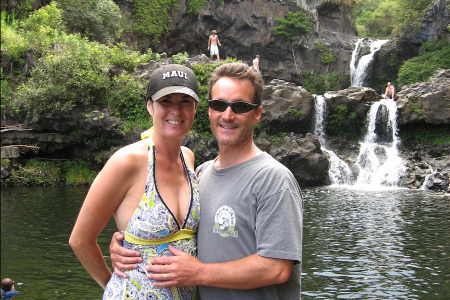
<point>97,19</point>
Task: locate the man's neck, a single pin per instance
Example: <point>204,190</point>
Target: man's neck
<point>232,155</point>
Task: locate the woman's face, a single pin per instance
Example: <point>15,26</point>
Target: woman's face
<point>173,114</point>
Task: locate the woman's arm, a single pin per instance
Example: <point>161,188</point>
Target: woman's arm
<point>104,196</point>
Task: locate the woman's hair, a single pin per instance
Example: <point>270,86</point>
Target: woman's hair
<point>239,71</point>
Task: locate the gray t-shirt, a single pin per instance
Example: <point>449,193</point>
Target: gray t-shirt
<point>254,207</point>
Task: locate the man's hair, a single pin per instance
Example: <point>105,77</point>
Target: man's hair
<point>239,71</point>
<point>214,31</point>
<point>6,284</point>
<point>257,56</point>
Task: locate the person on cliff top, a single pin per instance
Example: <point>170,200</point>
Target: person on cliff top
<point>250,233</point>
<point>390,91</point>
<point>8,288</point>
<point>256,64</point>
<point>213,43</point>
<point>151,189</point>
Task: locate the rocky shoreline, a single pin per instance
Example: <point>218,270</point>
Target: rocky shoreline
<point>288,113</point>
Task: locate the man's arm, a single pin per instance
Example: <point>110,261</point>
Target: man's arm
<point>121,258</point>
<point>251,272</point>
<point>209,42</point>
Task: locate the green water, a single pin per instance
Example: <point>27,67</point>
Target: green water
<point>357,244</point>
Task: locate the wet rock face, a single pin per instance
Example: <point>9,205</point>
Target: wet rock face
<point>383,129</point>
<point>435,22</point>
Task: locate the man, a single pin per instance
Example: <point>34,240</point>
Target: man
<point>250,233</point>
<point>390,91</point>
<point>256,63</point>
<point>213,41</point>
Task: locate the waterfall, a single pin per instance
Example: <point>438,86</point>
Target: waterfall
<point>339,171</point>
<point>378,162</point>
<point>359,70</point>
<point>353,61</point>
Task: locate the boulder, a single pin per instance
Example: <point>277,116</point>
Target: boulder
<point>426,102</point>
<point>300,154</point>
<point>286,108</point>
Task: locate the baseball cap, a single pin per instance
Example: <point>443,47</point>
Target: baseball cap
<point>171,79</point>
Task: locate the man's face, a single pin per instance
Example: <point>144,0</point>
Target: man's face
<point>228,127</point>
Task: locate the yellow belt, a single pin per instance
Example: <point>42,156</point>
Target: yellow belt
<point>180,235</point>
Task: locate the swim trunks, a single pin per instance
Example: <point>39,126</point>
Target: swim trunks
<point>214,50</point>
<point>151,229</point>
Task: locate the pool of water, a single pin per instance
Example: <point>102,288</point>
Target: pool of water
<point>389,244</point>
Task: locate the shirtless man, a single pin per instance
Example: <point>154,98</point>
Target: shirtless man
<point>256,64</point>
<point>390,91</point>
<point>213,43</point>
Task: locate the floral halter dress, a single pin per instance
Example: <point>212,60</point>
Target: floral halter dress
<point>151,229</point>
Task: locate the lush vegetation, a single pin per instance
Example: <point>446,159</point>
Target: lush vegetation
<point>50,172</point>
<point>97,19</point>
<point>425,134</point>
<point>342,123</point>
<point>293,25</point>
<point>319,84</point>
<point>389,18</point>
<point>155,17</point>
<point>433,55</point>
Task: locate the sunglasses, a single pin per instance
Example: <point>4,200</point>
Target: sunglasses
<point>238,107</point>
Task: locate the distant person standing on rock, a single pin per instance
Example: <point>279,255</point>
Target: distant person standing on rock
<point>390,91</point>
<point>256,64</point>
<point>213,43</point>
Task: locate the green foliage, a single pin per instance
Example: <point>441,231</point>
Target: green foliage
<point>425,134</point>
<point>97,19</point>
<point>36,172</point>
<point>68,76</point>
<point>388,18</point>
<point>325,56</point>
<point>14,43</point>
<point>195,6</point>
<point>6,93</point>
<point>277,139</point>
<point>338,124</point>
<point>296,113</point>
<point>78,173</point>
<point>42,27</point>
<point>153,17</point>
<point>180,58</point>
<point>293,25</point>
<point>415,108</point>
<point>433,55</point>
<point>319,84</point>
<point>127,99</point>
<point>123,56</point>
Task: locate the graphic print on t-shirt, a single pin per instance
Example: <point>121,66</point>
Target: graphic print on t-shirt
<point>225,222</point>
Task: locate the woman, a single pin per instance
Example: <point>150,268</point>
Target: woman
<point>151,189</point>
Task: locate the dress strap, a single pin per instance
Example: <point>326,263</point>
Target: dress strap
<point>179,235</point>
<point>148,135</point>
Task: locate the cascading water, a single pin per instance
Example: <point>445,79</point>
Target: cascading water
<point>359,70</point>
<point>339,171</point>
<point>353,61</point>
<point>378,162</point>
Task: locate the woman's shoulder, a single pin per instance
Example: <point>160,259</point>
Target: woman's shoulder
<point>189,157</point>
<point>129,155</point>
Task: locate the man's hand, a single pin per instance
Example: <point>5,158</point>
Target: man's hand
<point>122,258</point>
<point>179,270</point>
